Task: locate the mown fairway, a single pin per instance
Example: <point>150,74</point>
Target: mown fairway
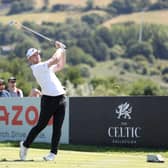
<point>80,157</point>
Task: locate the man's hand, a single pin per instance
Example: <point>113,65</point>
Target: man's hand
<point>58,44</point>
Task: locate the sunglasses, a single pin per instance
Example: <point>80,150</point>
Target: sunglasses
<point>1,84</point>
<point>12,81</point>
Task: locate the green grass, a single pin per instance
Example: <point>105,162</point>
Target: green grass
<point>75,156</point>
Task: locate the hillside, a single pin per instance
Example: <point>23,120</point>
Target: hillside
<point>74,2</point>
<point>46,16</point>
<point>81,37</point>
<point>37,16</point>
<point>115,69</point>
<point>154,17</point>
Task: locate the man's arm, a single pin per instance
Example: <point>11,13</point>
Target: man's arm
<point>58,59</point>
<point>60,65</point>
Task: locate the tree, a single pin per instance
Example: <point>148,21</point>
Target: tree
<point>46,4</point>
<point>89,5</point>
<point>117,51</point>
<point>77,56</point>
<point>160,44</point>
<point>73,75</point>
<point>128,6</point>
<point>160,4</point>
<point>101,52</point>
<point>85,70</point>
<point>6,1</point>
<point>92,19</point>
<point>87,44</point>
<point>143,48</point>
<point>105,34</point>
<point>60,7</point>
<point>21,48</point>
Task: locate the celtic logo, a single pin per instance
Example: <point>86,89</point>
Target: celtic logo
<point>124,111</point>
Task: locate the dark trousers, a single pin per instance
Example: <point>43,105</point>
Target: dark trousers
<point>50,106</point>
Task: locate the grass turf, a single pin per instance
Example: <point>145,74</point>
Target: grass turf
<point>75,156</point>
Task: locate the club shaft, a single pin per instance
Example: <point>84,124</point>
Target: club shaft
<point>38,34</point>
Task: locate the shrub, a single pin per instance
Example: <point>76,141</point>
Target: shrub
<point>84,70</point>
<point>144,87</point>
<point>92,19</point>
<point>165,71</point>
<point>21,6</point>
<point>117,51</point>
<point>143,48</point>
<point>78,56</point>
<point>165,78</point>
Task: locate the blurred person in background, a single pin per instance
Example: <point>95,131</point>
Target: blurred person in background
<point>3,92</point>
<point>35,93</point>
<point>12,88</point>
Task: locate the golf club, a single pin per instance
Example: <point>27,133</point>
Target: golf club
<point>11,23</point>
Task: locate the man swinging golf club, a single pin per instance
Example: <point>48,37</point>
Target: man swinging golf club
<point>52,100</point>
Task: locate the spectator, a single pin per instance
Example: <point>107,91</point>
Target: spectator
<point>35,93</point>
<point>12,89</point>
<point>3,92</point>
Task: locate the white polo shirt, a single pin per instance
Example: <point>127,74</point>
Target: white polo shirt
<point>48,81</point>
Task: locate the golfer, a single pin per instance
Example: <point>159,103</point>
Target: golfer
<point>52,100</point>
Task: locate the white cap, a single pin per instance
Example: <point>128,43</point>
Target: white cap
<point>31,51</point>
